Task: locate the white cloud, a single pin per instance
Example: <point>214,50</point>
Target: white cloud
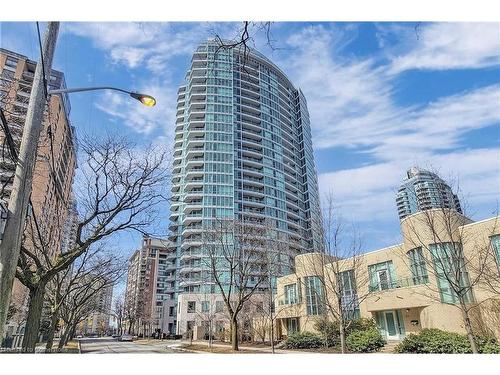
<point>351,100</point>
<point>140,118</point>
<point>451,46</point>
<point>352,106</point>
<point>368,193</point>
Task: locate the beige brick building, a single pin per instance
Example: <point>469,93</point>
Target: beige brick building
<point>403,286</point>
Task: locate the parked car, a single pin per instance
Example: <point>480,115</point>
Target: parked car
<point>125,337</point>
<point>79,337</point>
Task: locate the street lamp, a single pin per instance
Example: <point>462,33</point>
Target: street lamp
<point>145,99</point>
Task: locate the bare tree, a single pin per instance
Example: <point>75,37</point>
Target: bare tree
<point>119,190</point>
<point>99,274</point>
<point>118,312</point>
<point>235,256</point>
<point>95,261</point>
<point>276,258</point>
<point>340,270</point>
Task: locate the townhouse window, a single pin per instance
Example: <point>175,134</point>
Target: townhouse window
<point>219,306</point>
<point>349,296</point>
<point>290,294</point>
<point>205,306</point>
<point>417,266</point>
<point>191,306</point>
<point>451,273</point>
<point>314,295</point>
<point>382,276</point>
<point>171,311</point>
<point>495,242</point>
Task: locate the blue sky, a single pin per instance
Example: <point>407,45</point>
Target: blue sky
<point>382,97</point>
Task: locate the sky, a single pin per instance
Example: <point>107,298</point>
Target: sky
<point>382,97</point>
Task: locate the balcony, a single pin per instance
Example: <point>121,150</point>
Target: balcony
<point>400,294</point>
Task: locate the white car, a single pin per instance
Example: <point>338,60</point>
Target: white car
<point>125,337</point>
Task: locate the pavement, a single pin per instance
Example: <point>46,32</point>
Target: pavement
<point>103,345</point>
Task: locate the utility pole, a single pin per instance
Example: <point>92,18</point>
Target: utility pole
<point>23,178</point>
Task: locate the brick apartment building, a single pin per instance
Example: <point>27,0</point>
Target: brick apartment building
<point>55,164</point>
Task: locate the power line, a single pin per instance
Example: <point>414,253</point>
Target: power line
<point>41,59</point>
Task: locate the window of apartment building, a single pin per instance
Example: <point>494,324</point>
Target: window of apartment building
<point>219,306</point>
<point>314,295</point>
<point>291,294</point>
<point>495,242</point>
<point>382,276</point>
<point>451,274</point>
<point>171,311</point>
<point>8,74</point>
<point>417,266</point>
<point>350,304</point>
<point>11,61</point>
<point>205,306</point>
<point>191,306</point>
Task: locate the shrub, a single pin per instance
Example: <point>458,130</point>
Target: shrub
<point>369,340</point>
<point>361,324</point>
<point>434,341</point>
<point>303,340</point>
<point>330,331</point>
<point>490,348</point>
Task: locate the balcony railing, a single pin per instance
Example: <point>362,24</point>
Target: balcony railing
<point>400,283</point>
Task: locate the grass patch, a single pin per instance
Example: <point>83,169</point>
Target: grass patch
<point>220,349</point>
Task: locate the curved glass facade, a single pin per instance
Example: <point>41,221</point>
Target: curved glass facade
<point>242,150</point>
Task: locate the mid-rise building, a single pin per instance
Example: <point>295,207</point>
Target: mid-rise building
<point>242,152</point>
<point>150,290</point>
<point>55,165</point>
<point>423,190</point>
<point>404,287</point>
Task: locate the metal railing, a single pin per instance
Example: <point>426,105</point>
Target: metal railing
<point>399,283</point>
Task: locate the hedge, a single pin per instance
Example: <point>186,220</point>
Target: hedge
<point>330,333</point>
<point>366,341</point>
<point>437,341</point>
<point>303,340</point>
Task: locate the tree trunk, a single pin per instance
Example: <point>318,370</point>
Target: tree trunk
<point>33,319</point>
<point>234,334</point>
<point>272,335</point>
<point>72,332</point>
<point>52,329</point>
<point>468,326</point>
<point>64,336</point>
<point>342,335</point>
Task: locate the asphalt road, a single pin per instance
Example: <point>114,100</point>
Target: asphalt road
<point>103,345</point>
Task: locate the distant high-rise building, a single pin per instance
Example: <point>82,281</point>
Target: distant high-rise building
<point>151,286</point>
<point>98,321</point>
<point>242,151</point>
<point>423,190</point>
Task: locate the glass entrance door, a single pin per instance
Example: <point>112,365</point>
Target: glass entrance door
<point>392,325</point>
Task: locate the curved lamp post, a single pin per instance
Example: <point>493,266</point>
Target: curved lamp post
<point>145,99</point>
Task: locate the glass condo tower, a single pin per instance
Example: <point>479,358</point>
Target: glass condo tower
<point>242,150</point>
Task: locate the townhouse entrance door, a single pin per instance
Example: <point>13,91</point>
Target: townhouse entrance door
<point>391,323</point>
